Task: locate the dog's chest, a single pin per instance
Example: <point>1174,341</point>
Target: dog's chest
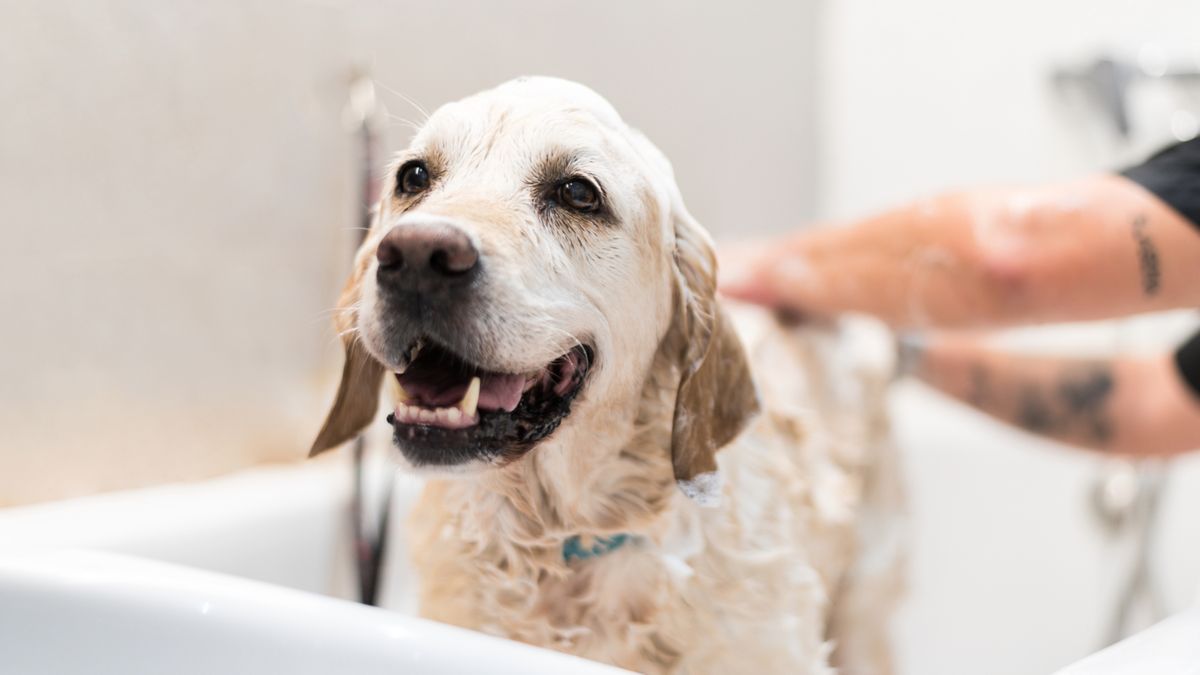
<point>690,602</point>
<point>623,607</point>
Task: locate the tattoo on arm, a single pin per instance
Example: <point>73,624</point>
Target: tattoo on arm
<point>1085,395</point>
<point>1147,257</point>
<point>1033,410</point>
<point>1077,405</point>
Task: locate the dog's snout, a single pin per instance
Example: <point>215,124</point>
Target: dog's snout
<point>420,253</point>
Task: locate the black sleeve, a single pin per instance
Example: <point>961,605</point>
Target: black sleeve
<point>1173,175</point>
<point>1187,359</point>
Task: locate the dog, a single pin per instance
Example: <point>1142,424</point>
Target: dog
<point>619,465</point>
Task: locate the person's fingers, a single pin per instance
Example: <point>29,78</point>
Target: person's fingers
<point>744,272</point>
<point>770,273</point>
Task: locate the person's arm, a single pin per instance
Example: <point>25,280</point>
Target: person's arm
<point>1095,248</point>
<point>1126,405</point>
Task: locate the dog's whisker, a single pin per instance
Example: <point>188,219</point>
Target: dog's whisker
<point>404,98</point>
<point>404,121</point>
<point>324,314</point>
<point>573,341</point>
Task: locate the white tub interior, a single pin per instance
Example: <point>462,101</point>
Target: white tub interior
<point>1004,548</point>
<point>86,613</point>
<point>286,525</point>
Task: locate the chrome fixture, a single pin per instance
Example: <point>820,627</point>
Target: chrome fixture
<point>1108,79</point>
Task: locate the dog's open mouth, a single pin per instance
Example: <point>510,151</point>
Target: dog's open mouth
<point>450,411</point>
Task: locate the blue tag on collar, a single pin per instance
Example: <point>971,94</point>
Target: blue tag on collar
<point>573,547</point>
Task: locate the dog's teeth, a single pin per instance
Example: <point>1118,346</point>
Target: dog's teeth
<point>453,415</point>
<point>470,400</point>
<point>428,416</point>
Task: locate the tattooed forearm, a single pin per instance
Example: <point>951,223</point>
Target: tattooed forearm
<point>1069,399</point>
<point>1033,410</point>
<point>1147,257</point>
<point>1075,408</point>
<point>1085,396</point>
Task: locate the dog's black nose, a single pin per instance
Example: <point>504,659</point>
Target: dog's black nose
<point>423,255</point>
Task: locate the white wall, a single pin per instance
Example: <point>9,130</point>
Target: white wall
<point>723,88</point>
<point>179,194</point>
<point>1012,572</point>
<point>920,95</point>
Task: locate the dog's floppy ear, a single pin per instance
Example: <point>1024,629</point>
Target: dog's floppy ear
<point>358,394</point>
<point>716,396</point>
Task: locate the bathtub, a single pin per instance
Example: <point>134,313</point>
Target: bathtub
<point>280,537</point>
<point>72,612</point>
<point>250,573</point>
<point>284,525</point>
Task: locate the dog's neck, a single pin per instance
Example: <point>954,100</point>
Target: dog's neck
<point>577,484</point>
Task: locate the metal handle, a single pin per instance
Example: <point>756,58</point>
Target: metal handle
<point>363,114</point>
<point>1108,79</point>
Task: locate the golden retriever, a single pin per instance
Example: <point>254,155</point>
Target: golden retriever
<point>543,306</point>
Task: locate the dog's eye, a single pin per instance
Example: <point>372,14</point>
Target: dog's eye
<point>413,178</point>
<point>579,194</point>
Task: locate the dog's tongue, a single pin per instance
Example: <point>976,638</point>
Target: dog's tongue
<point>435,385</point>
<point>500,391</point>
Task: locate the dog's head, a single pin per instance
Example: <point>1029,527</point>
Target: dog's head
<point>531,255</point>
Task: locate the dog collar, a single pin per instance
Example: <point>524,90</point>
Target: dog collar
<point>576,548</point>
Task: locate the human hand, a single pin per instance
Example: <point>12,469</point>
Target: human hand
<point>774,273</point>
